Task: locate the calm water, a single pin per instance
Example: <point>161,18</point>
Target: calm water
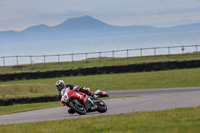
<point>96,45</point>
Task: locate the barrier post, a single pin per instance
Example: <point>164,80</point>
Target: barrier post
<point>99,54</point>
<point>4,64</point>
<point>182,49</point>
<point>154,50</point>
<point>44,59</point>
<point>58,58</point>
<point>17,60</point>
<point>30,59</point>
<point>168,50</point>
<point>72,58</point>
<point>86,56</point>
<point>196,48</point>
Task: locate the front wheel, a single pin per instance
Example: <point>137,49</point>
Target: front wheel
<point>101,107</point>
<point>77,107</point>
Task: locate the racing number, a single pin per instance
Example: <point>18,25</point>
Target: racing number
<point>79,95</point>
<point>65,98</point>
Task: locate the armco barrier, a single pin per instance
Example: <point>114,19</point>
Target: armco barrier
<point>189,64</point>
<point>19,76</point>
<point>124,69</point>
<point>85,71</point>
<point>75,72</point>
<point>165,66</point>
<point>157,66</point>
<point>148,67</point>
<point>132,67</point>
<point>99,70</point>
<point>60,73</point>
<point>172,64</point>
<point>67,72</point>
<point>26,100</point>
<point>196,63</point>
<point>27,75</point>
<point>154,66</point>
<point>181,65</point>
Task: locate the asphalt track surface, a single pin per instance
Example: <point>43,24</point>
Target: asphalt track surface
<point>144,100</point>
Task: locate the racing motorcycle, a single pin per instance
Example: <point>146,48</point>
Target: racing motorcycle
<point>100,93</point>
<point>81,103</point>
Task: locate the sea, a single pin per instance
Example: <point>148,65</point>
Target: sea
<point>84,48</point>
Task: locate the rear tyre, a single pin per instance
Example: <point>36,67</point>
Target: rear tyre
<point>101,107</point>
<point>77,107</point>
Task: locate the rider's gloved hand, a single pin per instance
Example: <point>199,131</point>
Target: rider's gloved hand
<point>90,94</point>
<point>87,92</point>
<point>93,95</point>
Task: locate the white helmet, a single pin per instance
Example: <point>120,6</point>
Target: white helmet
<point>60,83</point>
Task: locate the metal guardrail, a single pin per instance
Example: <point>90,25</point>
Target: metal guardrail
<point>32,59</point>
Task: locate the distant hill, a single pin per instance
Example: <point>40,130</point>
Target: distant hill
<point>89,27</point>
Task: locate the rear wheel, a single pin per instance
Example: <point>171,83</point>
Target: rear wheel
<point>101,107</point>
<point>77,107</point>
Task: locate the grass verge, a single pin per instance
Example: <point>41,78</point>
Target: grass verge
<point>183,120</point>
<point>123,81</point>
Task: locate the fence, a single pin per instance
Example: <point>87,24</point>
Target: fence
<point>31,59</point>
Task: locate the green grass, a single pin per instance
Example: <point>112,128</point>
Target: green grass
<point>123,81</point>
<point>96,62</point>
<point>183,120</point>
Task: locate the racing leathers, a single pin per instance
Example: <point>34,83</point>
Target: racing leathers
<point>76,87</point>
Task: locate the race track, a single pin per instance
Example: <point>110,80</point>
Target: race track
<point>144,100</point>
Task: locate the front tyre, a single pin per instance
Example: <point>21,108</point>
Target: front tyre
<point>77,107</point>
<point>101,107</point>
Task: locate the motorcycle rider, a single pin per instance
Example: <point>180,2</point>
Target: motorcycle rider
<point>61,87</point>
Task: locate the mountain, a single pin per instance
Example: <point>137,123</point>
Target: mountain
<point>82,23</point>
<point>86,26</point>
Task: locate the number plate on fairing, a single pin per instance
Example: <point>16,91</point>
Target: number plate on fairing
<point>65,96</point>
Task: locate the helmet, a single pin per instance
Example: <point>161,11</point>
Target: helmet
<point>60,84</point>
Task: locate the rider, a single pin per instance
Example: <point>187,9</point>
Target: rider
<point>61,86</point>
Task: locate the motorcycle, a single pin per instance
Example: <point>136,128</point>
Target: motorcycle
<point>100,93</point>
<point>81,103</point>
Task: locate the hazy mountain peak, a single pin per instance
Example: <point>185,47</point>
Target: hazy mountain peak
<point>83,22</point>
<point>86,18</point>
<point>37,27</point>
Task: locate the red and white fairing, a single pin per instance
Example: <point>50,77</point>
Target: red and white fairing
<point>76,94</point>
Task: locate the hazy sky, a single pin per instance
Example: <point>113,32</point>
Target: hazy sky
<point>20,14</point>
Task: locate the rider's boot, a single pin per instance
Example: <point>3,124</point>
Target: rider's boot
<point>93,106</point>
<point>70,111</point>
<point>92,103</point>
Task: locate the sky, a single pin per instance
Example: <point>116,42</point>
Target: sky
<point>18,15</point>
